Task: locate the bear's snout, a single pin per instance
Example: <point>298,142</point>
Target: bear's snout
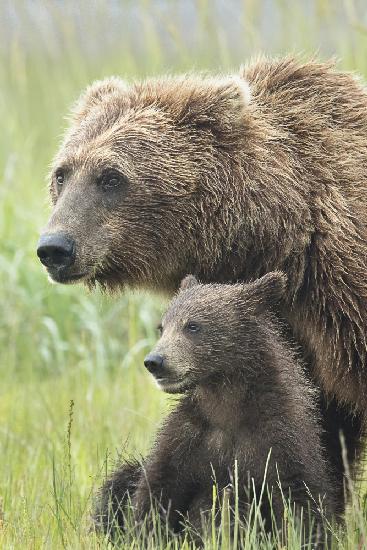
<point>154,363</point>
<point>56,250</point>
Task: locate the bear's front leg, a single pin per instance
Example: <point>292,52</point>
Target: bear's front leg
<point>113,497</point>
<point>167,481</point>
<point>162,489</point>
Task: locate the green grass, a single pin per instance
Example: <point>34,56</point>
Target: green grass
<point>62,345</point>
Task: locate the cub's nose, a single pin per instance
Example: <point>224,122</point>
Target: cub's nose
<point>56,250</point>
<point>153,362</point>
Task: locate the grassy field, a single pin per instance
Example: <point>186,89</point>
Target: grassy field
<point>73,389</point>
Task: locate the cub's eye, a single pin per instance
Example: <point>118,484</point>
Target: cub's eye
<point>111,180</point>
<point>160,329</point>
<point>192,327</point>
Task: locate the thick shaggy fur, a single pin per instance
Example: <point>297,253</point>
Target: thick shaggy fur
<point>229,178</point>
<point>245,396</point>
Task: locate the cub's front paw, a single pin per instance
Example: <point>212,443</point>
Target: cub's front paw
<point>141,505</point>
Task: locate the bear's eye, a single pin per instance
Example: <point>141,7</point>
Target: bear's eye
<point>60,178</point>
<point>110,180</point>
<point>160,329</point>
<point>192,327</point>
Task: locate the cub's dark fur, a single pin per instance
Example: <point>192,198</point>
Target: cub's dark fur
<point>245,396</point>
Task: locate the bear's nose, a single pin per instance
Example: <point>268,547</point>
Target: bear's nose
<point>56,250</point>
<point>153,362</point>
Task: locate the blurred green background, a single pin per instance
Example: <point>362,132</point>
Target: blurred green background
<point>62,344</point>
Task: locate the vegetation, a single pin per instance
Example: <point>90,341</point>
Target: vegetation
<point>73,389</point>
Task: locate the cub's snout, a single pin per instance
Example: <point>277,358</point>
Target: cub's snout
<point>167,375</point>
<point>154,362</point>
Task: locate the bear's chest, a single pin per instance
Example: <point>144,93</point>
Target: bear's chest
<point>223,445</point>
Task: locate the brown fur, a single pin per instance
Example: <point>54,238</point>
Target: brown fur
<point>245,397</point>
<point>229,187</point>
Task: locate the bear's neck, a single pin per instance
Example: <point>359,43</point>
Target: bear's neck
<point>259,217</point>
<point>245,396</point>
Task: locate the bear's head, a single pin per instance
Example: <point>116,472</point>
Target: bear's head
<point>134,184</point>
<point>211,330</point>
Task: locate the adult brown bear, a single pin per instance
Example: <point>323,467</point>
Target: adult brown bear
<point>229,178</point>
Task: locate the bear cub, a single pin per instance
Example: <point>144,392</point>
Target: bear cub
<point>245,400</point>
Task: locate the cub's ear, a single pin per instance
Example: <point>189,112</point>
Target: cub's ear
<point>269,290</point>
<point>188,282</point>
<point>95,94</point>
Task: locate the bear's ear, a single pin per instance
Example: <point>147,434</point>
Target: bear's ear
<point>188,282</point>
<point>234,91</point>
<point>216,103</point>
<point>95,94</point>
<point>267,291</point>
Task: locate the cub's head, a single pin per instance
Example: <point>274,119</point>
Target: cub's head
<point>134,184</point>
<point>209,330</point>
